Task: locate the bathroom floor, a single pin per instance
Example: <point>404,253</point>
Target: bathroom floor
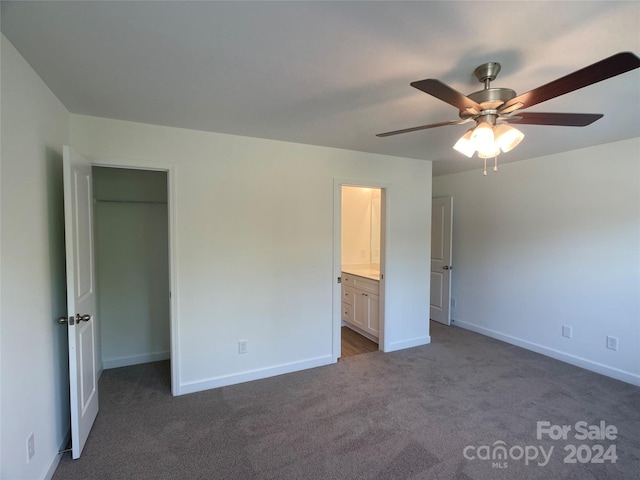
<point>354,344</point>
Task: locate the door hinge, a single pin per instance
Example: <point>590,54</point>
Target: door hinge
<point>339,279</point>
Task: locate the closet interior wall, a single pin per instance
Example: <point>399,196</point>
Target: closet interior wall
<point>132,265</point>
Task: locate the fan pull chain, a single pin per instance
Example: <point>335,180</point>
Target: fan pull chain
<point>495,165</point>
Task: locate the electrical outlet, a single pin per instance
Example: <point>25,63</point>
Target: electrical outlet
<point>612,343</point>
<point>567,331</point>
<point>242,346</point>
<point>454,303</point>
<point>31,447</point>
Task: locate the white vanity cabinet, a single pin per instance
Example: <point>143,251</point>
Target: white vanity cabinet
<point>360,303</point>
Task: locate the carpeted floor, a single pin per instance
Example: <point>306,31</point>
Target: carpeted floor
<point>412,414</point>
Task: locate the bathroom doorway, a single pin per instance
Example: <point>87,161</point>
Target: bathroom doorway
<point>361,253</point>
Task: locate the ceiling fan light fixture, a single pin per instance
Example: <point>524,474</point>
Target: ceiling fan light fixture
<point>490,152</point>
<point>489,105</point>
<point>464,145</point>
<point>507,137</point>
<point>482,137</point>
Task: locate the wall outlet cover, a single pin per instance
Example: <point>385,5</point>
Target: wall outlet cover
<point>31,447</point>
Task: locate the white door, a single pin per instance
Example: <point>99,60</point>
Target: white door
<point>81,297</point>
<point>441,223</point>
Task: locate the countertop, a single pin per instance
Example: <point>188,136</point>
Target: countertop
<point>371,271</point>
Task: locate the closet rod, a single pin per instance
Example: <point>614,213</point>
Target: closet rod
<point>148,202</point>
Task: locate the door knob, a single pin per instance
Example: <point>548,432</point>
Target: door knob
<point>73,320</point>
<point>447,267</point>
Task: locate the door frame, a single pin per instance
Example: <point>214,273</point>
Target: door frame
<point>385,188</point>
<point>173,262</point>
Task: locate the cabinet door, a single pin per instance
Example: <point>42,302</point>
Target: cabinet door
<point>372,314</point>
<point>359,308</point>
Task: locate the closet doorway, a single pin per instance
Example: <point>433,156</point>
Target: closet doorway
<point>132,265</point>
<point>361,269</point>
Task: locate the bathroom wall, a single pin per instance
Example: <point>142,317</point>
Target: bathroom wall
<point>360,225</point>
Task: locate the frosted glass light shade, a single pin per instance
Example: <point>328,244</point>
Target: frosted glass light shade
<point>482,137</point>
<point>507,137</point>
<point>464,146</point>
<point>491,152</point>
<point>488,140</point>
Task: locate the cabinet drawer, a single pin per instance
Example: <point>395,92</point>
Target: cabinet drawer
<point>347,312</point>
<point>362,283</point>
<point>366,285</point>
<point>347,295</point>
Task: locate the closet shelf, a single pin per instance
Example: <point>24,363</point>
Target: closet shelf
<point>147,202</point>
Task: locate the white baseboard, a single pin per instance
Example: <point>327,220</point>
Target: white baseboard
<point>247,376</point>
<point>53,464</point>
<point>410,343</point>
<point>596,367</point>
<point>135,359</point>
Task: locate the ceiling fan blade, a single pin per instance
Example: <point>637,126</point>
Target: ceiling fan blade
<point>423,127</point>
<point>609,67</point>
<point>558,119</point>
<point>445,93</point>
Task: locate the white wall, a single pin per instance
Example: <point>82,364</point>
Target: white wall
<point>34,380</point>
<point>132,265</point>
<point>254,244</point>
<point>553,241</point>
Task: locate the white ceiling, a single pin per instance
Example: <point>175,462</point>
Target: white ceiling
<point>329,73</point>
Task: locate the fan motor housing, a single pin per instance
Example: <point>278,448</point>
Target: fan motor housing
<point>492,95</point>
<point>487,97</point>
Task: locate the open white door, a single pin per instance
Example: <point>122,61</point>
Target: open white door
<point>81,297</point>
<point>441,227</point>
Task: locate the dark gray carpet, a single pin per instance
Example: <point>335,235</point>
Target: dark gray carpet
<point>401,415</point>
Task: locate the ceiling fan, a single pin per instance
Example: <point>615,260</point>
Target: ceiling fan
<point>493,109</point>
